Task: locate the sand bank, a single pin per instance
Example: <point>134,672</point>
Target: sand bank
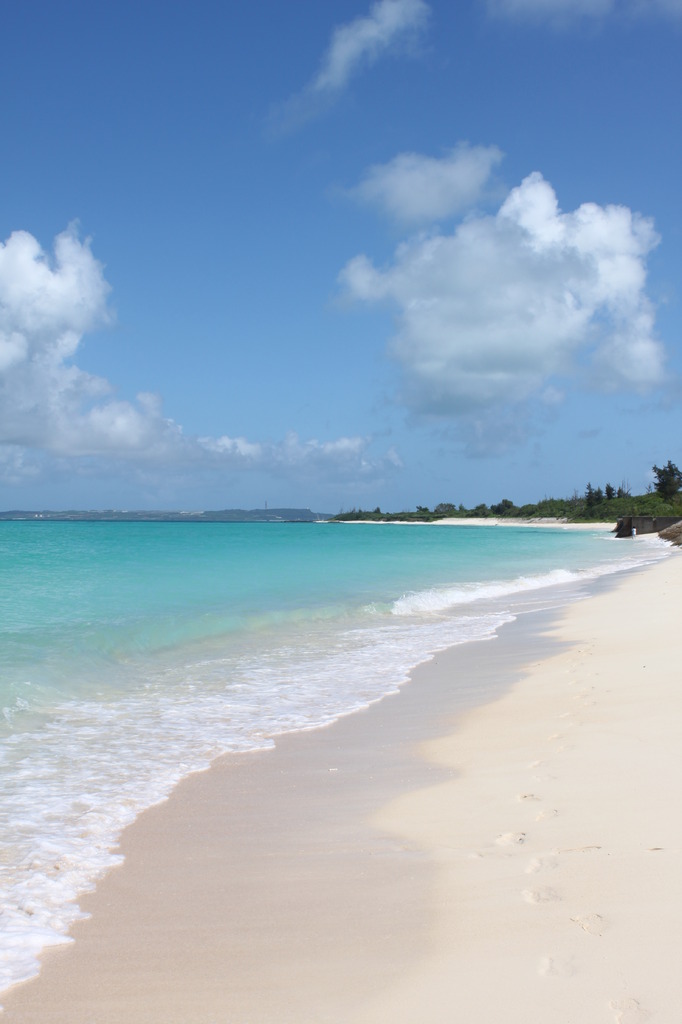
<point>525,867</point>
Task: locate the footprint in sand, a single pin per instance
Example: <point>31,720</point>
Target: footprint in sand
<point>511,839</point>
<point>542,863</point>
<point>593,924</point>
<point>628,1011</point>
<point>551,967</point>
<point>542,895</point>
<point>522,797</point>
<point>551,812</point>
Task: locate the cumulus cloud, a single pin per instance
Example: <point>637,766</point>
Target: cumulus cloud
<point>53,414</point>
<point>47,304</point>
<point>565,12</point>
<point>415,189</point>
<point>390,26</point>
<point>509,307</point>
<point>343,457</point>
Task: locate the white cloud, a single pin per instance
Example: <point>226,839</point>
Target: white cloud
<point>364,40</point>
<point>47,401</point>
<point>17,465</point>
<point>236,448</point>
<point>415,189</point>
<point>46,306</point>
<point>509,307</point>
<point>54,415</point>
<point>390,26</point>
<point>563,12</point>
<point>342,458</point>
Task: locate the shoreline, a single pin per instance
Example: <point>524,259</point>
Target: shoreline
<point>348,858</point>
<point>557,524</point>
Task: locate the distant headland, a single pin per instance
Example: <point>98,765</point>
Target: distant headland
<point>594,505</point>
<point>226,515</point>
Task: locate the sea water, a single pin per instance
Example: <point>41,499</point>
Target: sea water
<point>132,654</point>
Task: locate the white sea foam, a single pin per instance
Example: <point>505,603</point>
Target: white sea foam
<point>74,786</point>
<point>442,599</point>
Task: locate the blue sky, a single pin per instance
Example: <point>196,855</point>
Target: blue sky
<point>336,253</point>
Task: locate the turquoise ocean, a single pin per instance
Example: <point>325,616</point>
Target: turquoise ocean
<point>132,654</point>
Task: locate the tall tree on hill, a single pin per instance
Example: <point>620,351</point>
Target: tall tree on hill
<point>503,507</point>
<point>593,496</point>
<point>668,480</point>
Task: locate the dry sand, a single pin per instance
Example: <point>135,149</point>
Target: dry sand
<point>548,523</point>
<point>525,867</point>
<point>545,523</point>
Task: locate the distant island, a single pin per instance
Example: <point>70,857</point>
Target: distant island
<point>226,515</point>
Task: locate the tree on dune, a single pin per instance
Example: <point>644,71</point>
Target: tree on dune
<point>668,480</point>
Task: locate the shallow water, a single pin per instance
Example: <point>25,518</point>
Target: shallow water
<point>133,653</point>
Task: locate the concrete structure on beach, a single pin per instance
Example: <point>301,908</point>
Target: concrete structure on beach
<point>644,524</point>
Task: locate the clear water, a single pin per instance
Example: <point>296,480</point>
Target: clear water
<point>133,653</point>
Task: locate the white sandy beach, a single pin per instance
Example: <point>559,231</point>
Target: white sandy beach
<point>559,524</point>
<point>556,524</point>
<point>561,851</point>
<point>419,863</point>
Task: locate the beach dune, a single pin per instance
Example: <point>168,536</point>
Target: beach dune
<point>426,860</point>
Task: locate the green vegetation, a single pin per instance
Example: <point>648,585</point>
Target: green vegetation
<point>668,481</point>
<point>594,505</point>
